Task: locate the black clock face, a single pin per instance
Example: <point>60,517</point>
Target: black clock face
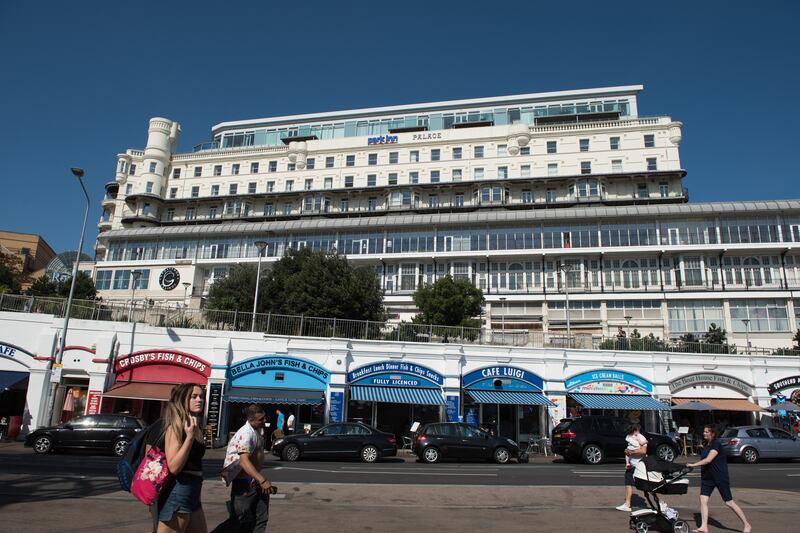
<point>169,279</point>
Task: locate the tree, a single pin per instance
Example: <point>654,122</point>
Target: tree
<point>84,287</point>
<point>303,282</point>
<point>796,339</point>
<point>715,335</point>
<point>10,273</point>
<point>42,286</point>
<point>449,302</point>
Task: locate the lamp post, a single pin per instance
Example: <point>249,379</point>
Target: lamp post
<point>135,275</point>
<point>746,322</point>
<point>186,286</point>
<point>78,173</point>
<point>503,317</point>
<point>565,268</point>
<point>627,330</point>
<point>261,245</point>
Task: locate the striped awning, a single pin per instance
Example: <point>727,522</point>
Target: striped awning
<point>723,404</point>
<point>274,396</point>
<point>509,397</point>
<point>638,402</point>
<point>396,395</point>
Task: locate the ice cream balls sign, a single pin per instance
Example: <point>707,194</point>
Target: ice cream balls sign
<point>162,358</point>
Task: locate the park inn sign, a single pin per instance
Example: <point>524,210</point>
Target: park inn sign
<point>710,379</point>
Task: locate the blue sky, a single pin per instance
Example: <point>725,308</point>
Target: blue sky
<point>81,79</point>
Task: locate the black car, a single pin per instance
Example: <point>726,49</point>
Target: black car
<point>593,439</point>
<point>456,440</point>
<point>350,439</point>
<point>99,432</point>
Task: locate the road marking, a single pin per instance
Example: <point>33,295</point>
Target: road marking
<point>389,472</point>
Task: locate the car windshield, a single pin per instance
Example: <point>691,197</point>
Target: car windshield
<point>563,426</point>
<point>732,432</point>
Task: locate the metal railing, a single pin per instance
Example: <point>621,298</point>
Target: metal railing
<point>305,326</point>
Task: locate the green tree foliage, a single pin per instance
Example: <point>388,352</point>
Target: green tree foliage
<point>10,274</point>
<point>303,282</point>
<point>715,335</point>
<point>449,302</point>
<point>43,286</point>
<point>84,287</point>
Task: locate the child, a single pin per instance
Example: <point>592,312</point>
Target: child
<point>633,445</point>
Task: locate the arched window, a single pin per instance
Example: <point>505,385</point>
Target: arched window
<point>630,274</point>
<point>516,277</point>
<point>752,272</point>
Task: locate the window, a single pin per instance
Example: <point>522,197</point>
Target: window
<point>436,154</point>
<point>170,215</point>
<point>287,209</point>
<point>649,141</point>
<point>551,196</point>
<point>616,165</point>
<point>551,147</point>
<point>215,190</point>
<point>525,150</point>
<point>269,210</point>
<point>195,191</point>
<point>190,213</point>
<point>372,180</point>
<point>344,205</point>
<point>393,158</point>
<point>584,145</point>
<point>310,163</point>
<point>478,152</point>
<point>614,142</point>
<point>329,162</point>
<point>233,188</point>
<point>270,186</point>
<point>552,169</point>
<point>273,166</point>
<point>372,159</point>
<point>413,177</point>
<point>132,170</point>
<point>765,315</point>
<point>198,171</point>
<point>372,203</point>
<point>148,187</point>
<point>173,192</point>
<point>642,191</point>
<point>694,316</point>
<point>477,173</point>
<point>348,181</point>
<point>393,178</point>
<point>586,167</point>
<point>527,197</point>
<point>435,176</point>
<point>351,161</point>
<point>253,168</point>
<point>651,163</point>
<point>128,188</point>
<point>212,212</point>
<point>122,279</point>
<point>176,173</point>
<point>289,186</point>
<point>291,167</point>
<point>457,174</point>
<point>251,187</point>
<point>309,184</point>
<point>102,280</point>
<point>218,170</point>
<point>525,171</point>
<point>328,183</point>
<point>153,167</point>
<point>458,200</point>
<point>235,169</point>
<point>408,277</point>
<point>502,150</point>
<point>433,200</point>
<point>457,154</point>
<point>663,189</point>
<point>502,173</point>
<point>413,156</point>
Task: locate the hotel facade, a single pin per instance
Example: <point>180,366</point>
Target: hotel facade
<point>537,199</point>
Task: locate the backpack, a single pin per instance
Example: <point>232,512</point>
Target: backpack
<point>126,468</point>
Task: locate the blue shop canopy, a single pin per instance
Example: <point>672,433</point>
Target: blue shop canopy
<point>8,379</point>
<point>276,396</point>
<point>634,402</point>
<point>510,397</point>
<point>421,396</point>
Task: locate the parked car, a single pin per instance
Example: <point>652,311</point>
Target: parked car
<point>594,439</point>
<point>98,432</point>
<point>456,440</point>
<point>350,439</point>
<point>751,443</point>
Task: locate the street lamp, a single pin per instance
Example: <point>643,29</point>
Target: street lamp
<point>503,317</point>
<point>78,173</point>
<point>565,268</point>
<point>186,286</point>
<point>746,322</point>
<point>627,330</point>
<point>135,275</point>
<point>261,245</point>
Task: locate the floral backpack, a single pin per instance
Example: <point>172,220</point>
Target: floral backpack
<point>152,475</point>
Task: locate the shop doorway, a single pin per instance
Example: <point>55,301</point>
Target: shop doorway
<point>396,418</point>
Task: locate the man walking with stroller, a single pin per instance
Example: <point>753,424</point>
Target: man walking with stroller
<point>714,474</point>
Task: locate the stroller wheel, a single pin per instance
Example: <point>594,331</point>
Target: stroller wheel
<point>641,527</point>
<point>680,527</point>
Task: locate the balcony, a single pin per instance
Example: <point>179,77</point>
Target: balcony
<point>133,198</point>
<point>112,186</point>
<point>149,217</point>
<point>109,200</point>
<point>104,223</point>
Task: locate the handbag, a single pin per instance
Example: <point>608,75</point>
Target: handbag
<point>151,476</point>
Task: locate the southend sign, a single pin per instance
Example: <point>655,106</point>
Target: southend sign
<point>781,384</point>
<point>382,139</point>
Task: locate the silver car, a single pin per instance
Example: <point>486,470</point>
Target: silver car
<point>751,443</point>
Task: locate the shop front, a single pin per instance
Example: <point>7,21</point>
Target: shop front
<point>14,377</point>
<point>728,396</point>
<point>73,386</point>
<point>785,390</point>
<point>291,385</point>
<point>142,382</point>
<point>392,395</point>
<point>615,393</point>
<point>507,401</point>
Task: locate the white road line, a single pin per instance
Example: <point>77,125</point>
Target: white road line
<point>399,472</point>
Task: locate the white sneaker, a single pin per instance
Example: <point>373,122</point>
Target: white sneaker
<point>624,507</point>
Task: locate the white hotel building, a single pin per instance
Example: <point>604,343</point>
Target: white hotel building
<point>500,191</point>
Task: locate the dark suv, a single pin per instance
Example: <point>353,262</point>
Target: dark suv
<point>455,440</point>
<point>595,438</point>
<point>99,432</point>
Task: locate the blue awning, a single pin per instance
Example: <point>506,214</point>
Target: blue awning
<point>510,397</point>
<point>8,379</point>
<point>638,402</point>
<point>396,395</point>
<point>275,396</point>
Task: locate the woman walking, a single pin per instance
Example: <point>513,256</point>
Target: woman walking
<point>714,474</point>
<point>178,508</point>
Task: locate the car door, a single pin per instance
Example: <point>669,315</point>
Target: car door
<point>106,430</point>
<point>475,444</point>
<point>80,433</point>
<point>350,441</point>
<point>323,442</point>
<point>761,440</point>
<point>612,436</point>
<point>785,446</point>
<point>447,438</point>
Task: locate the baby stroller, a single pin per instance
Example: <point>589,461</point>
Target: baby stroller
<point>654,477</point>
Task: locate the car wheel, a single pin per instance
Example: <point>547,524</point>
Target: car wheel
<point>120,447</point>
<point>43,444</point>
<point>665,452</point>
<point>369,453</point>
<point>501,455</point>
<point>750,455</point>
<point>431,455</point>
<point>592,454</point>
<point>291,453</point>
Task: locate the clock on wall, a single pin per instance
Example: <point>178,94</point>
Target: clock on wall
<point>169,279</point>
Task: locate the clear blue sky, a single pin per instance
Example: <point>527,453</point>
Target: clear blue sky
<point>81,79</point>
